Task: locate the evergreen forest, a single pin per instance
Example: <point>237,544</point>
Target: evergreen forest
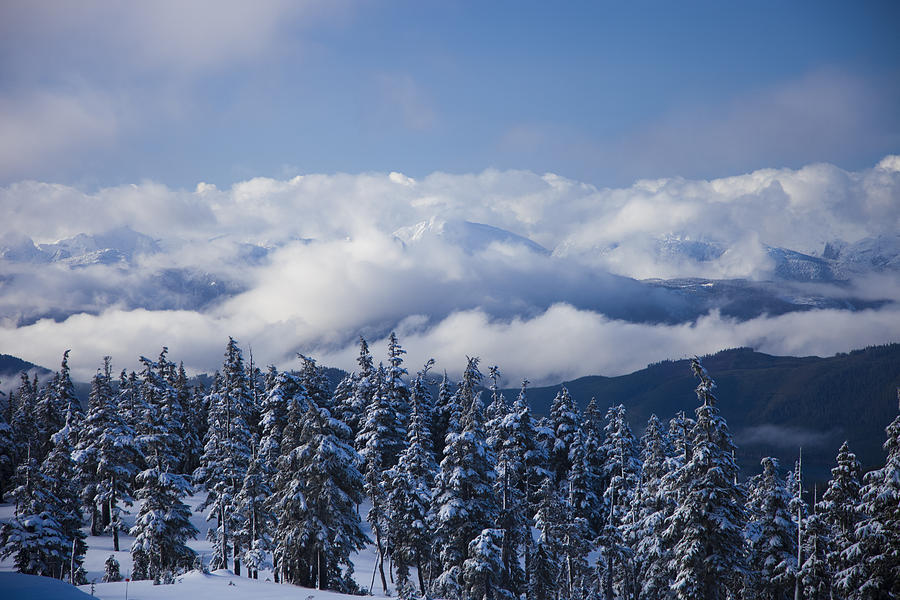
<point>468,495</point>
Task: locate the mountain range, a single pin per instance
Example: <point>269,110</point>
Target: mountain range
<point>137,272</point>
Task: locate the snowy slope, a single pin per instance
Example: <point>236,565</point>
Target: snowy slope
<point>190,586</point>
<point>219,585</point>
<point>15,586</point>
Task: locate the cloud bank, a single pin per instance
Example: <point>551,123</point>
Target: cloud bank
<point>545,286</point>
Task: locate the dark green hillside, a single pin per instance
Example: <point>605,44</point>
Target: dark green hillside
<point>773,404</point>
<point>11,366</point>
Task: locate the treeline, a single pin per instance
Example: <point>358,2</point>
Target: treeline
<point>469,495</point>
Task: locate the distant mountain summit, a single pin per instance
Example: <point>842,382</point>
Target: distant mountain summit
<point>466,235</point>
<point>117,246</point>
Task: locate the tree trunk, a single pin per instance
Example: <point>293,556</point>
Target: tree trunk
<point>380,560</point>
<point>95,519</point>
<point>419,573</point>
<point>237,558</point>
<point>224,537</point>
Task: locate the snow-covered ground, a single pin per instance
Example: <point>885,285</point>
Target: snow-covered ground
<point>219,585</point>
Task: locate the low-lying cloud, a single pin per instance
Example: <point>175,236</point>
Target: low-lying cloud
<point>309,263</point>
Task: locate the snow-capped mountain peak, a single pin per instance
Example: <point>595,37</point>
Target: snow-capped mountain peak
<point>470,237</point>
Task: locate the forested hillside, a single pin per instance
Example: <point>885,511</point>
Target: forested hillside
<point>775,404</point>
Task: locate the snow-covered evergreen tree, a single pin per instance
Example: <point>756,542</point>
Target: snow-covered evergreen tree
<point>550,522</point>
<point>706,527</point>
<point>256,521</point>
<point>441,418</point>
<point>7,452</point>
<point>482,570</point>
<point>314,382</point>
<point>282,391</point>
<point>162,526</point>
<point>107,456</point>
<point>680,428</point>
<point>564,420</point>
<point>186,402</point>
<point>516,452</point>
<point>463,503</point>
<point>50,410</point>
<point>226,456</point>
<point>409,495</point>
<point>770,534</point>
<point>376,441</point>
<point>840,511</point>
<point>543,582</point>
<point>24,423</point>
<point>621,469</point>
<point>363,383</point>
<point>496,410</point>
<point>815,574</point>
<point>288,501</point>
<point>398,395</point>
<point>112,570</point>
<point>319,487</point>
<point>45,536</point>
<point>874,558</point>
<point>655,504</point>
<point>584,486</point>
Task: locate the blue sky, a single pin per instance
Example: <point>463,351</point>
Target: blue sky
<point>102,94</point>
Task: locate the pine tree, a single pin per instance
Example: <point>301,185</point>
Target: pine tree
<point>544,572</point>
<point>128,399</point>
<point>314,382</point>
<point>25,421</point>
<point>409,496</point>
<point>117,465</point>
<point>398,396</point>
<point>226,457</point>
<point>283,390</point>
<point>50,410</point>
<point>162,526</point>
<point>815,574</point>
<point>496,410</point>
<point>256,520</point>
<point>680,428</point>
<point>771,549</point>
<point>112,570</point>
<point>192,414</point>
<point>564,421</point>
<point>107,457</point>
<point>318,524</point>
<point>45,534</point>
<point>655,504</point>
<point>874,558</point>
<point>706,527</point>
<point>363,384</point>
<point>376,441</point>
<point>463,503</point>
<point>584,487</point>
<point>441,418</point>
<point>621,470</point>
<point>481,571</point>
<point>518,462</point>
<point>592,435</point>
<point>550,522</point>
<point>840,511</point>
<point>7,452</point>
<point>288,501</point>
